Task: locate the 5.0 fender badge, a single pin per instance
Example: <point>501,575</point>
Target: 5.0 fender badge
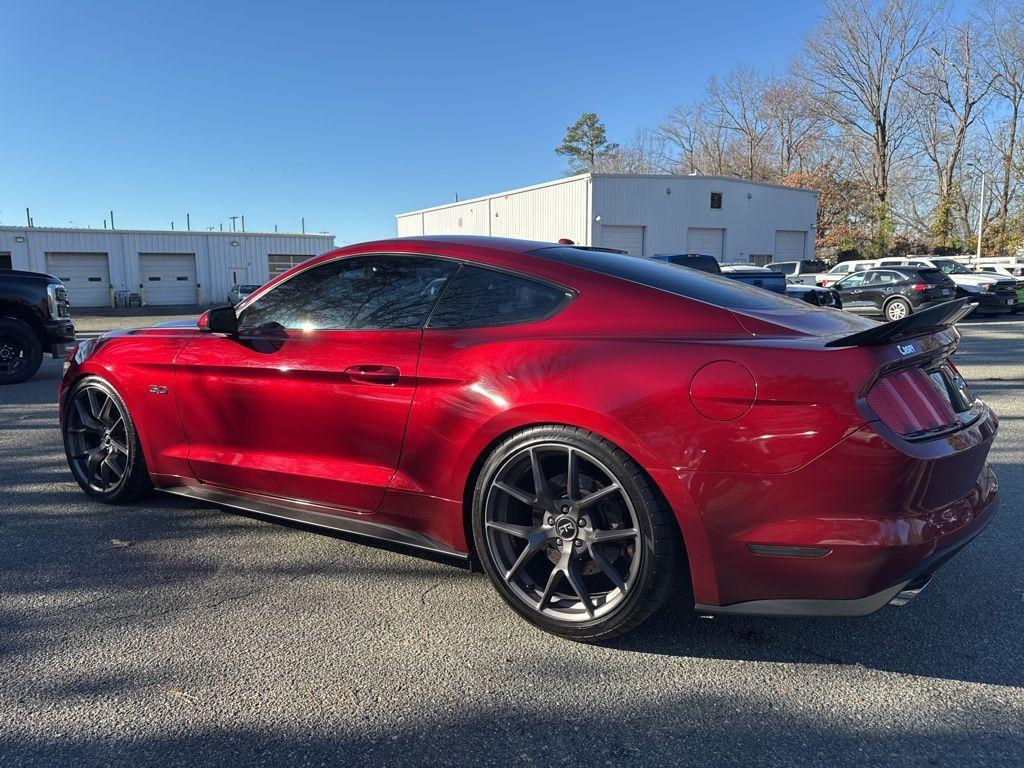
<point>157,389</point>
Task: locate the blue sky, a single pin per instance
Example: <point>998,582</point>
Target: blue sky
<point>344,114</point>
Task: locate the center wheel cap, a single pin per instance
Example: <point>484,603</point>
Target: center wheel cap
<point>566,527</point>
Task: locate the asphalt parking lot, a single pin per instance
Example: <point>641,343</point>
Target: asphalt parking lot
<point>173,633</point>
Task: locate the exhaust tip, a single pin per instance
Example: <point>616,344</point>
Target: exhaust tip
<point>911,590</point>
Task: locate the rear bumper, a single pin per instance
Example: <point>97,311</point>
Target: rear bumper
<point>900,592</point>
<point>842,535</point>
<point>995,303</point>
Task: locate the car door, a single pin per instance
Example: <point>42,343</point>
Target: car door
<point>850,290</point>
<point>879,286</point>
<point>310,400</point>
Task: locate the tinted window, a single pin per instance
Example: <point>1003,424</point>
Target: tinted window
<point>934,276</point>
<point>784,268</point>
<point>881,278</point>
<point>713,289</point>
<point>359,293</point>
<point>813,265</point>
<point>853,281</point>
<point>477,297</point>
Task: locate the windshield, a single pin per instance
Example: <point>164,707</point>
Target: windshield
<point>951,267</point>
<point>248,289</point>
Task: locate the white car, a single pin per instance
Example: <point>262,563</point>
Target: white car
<point>842,269</point>
<point>993,293</point>
<point>806,271</point>
<point>239,292</point>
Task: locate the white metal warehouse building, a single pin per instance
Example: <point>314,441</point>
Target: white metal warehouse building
<point>735,220</point>
<point>105,267</point>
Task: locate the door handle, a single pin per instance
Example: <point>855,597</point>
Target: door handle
<point>373,374</point>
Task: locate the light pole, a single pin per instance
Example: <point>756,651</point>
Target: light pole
<point>981,215</point>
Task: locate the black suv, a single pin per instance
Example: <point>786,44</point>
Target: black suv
<point>35,316</point>
<point>895,292</point>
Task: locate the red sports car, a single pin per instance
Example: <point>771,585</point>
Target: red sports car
<point>591,428</point>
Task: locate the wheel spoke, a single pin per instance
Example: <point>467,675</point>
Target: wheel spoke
<point>94,403</point>
<point>519,531</point>
<point>596,496</point>
<point>104,415</point>
<point>88,421</point>
<point>516,493</point>
<point>108,462</point>
<point>576,580</point>
<point>540,483</point>
<point>608,568</point>
<point>615,534</point>
<point>119,447</point>
<point>572,475</point>
<point>549,588</point>
<point>534,544</point>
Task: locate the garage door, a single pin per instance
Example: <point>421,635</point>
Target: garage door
<point>623,238</point>
<point>279,263</point>
<point>710,242</point>
<point>86,275</point>
<point>168,278</point>
<point>789,245</point>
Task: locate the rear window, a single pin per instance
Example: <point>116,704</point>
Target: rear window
<point>681,281</point>
<point>932,275</point>
<point>814,265</point>
<point>478,297</point>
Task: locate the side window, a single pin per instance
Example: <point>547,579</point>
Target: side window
<point>367,293</point>
<point>881,278</point>
<point>788,269</point>
<point>478,297</point>
<point>856,280</point>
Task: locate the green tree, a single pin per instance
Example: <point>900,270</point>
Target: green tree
<point>586,145</point>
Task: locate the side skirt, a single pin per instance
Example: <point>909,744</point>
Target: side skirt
<point>296,512</point>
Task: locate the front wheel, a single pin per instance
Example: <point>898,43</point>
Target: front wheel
<point>102,444</point>
<point>572,533</point>
<point>897,309</point>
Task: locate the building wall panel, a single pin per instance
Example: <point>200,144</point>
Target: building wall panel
<point>218,254</point>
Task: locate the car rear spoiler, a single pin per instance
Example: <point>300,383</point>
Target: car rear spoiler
<point>921,323</point>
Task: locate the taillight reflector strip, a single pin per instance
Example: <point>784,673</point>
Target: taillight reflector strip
<point>908,402</point>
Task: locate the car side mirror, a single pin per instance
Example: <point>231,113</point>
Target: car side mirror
<point>219,320</point>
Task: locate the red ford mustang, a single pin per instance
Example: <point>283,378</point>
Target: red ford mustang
<point>588,426</point>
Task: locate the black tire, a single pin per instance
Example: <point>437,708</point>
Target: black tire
<point>100,433</point>
<point>897,309</point>
<point>21,351</point>
<point>657,547</point>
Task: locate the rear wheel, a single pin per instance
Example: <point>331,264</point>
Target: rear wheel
<point>102,444</point>
<point>572,533</point>
<point>897,309</point>
<point>21,352</point>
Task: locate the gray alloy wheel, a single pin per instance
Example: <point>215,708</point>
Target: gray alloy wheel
<point>572,534</point>
<point>102,445</point>
<point>897,309</point>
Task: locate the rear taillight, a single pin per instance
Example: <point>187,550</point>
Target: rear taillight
<point>909,402</point>
<point>921,286</point>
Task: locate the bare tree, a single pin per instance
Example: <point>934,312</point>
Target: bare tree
<point>693,142</point>
<point>859,60</point>
<point>644,153</point>
<point>951,88</point>
<point>737,105</point>
<point>1002,51</point>
<point>799,131</point>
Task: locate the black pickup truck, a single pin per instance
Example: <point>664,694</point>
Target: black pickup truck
<point>35,317</point>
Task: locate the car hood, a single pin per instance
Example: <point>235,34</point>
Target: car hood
<point>975,279</point>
